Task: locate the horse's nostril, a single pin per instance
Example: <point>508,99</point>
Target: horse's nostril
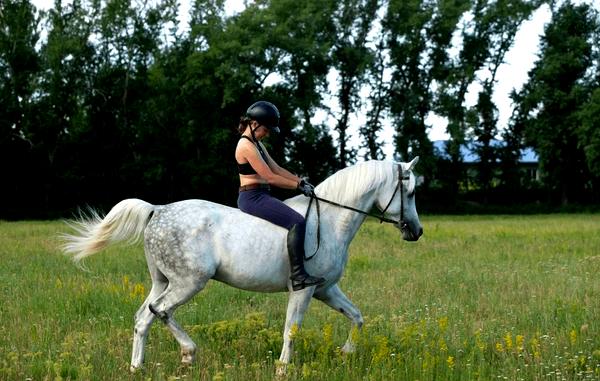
<point>420,232</point>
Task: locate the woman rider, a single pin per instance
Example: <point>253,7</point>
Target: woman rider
<point>257,172</point>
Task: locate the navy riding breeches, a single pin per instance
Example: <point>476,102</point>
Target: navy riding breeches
<point>260,203</point>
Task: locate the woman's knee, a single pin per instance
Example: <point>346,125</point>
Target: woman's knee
<point>299,221</point>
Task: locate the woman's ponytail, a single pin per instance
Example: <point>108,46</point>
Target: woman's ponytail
<point>244,123</point>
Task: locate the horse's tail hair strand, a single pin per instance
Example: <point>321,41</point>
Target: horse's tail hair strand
<point>125,221</point>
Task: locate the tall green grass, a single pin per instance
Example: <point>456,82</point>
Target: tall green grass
<point>490,298</point>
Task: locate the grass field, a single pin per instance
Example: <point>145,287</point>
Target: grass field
<point>478,297</point>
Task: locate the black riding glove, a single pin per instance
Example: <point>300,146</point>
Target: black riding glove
<point>306,188</point>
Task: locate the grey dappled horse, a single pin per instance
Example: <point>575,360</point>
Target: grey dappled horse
<point>188,243</point>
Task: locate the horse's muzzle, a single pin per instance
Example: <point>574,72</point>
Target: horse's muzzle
<point>410,233</point>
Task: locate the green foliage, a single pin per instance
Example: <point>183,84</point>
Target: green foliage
<point>407,23</point>
<point>589,133</point>
<point>19,68</point>
<point>114,101</point>
<point>501,24</point>
<point>557,91</point>
<point>487,37</point>
<point>351,57</point>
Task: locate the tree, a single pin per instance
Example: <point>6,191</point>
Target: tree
<point>301,35</point>
<point>488,32</point>
<point>19,63</point>
<point>406,21</point>
<point>378,100</point>
<point>61,110</point>
<point>19,69</point>
<point>514,140</point>
<point>420,34</point>
<point>351,57</point>
<point>557,92</point>
<point>461,72</point>
<point>192,109</point>
<point>501,22</point>
<point>589,132</point>
<point>484,118</point>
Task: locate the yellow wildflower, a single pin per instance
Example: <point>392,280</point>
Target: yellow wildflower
<point>294,331</point>
<point>480,344</point>
<point>520,339</point>
<point>382,350</point>
<point>499,347</point>
<point>443,345</point>
<point>138,291</point>
<point>535,348</point>
<point>508,341</point>
<point>573,336</point>
<point>354,334</point>
<point>328,334</point>
<point>443,324</point>
<point>306,371</point>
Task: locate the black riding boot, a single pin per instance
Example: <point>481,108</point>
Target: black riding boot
<point>300,279</point>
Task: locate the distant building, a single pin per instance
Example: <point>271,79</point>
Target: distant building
<point>528,162</point>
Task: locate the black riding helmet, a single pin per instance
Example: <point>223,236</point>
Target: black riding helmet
<point>266,114</point>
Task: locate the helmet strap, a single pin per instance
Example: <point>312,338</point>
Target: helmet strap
<point>252,132</point>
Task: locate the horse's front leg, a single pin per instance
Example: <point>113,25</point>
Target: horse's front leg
<point>297,305</point>
<point>336,299</point>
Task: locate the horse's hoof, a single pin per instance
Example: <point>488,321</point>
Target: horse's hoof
<point>188,356</point>
<point>187,361</point>
<point>348,348</point>
<point>134,369</point>
<point>281,370</point>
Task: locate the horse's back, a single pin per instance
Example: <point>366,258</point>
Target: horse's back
<point>215,240</point>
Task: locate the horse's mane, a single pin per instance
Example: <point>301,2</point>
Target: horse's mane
<point>352,182</point>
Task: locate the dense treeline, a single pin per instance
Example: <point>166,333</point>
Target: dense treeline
<point>106,99</point>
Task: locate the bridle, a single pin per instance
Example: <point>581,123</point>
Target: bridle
<point>381,217</point>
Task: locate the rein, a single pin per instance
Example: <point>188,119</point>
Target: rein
<point>381,217</point>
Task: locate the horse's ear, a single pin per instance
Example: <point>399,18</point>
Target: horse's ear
<point>412,164</point>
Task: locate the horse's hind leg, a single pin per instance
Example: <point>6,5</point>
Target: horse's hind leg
<point>143,321</point>
<point>178,292</point>
<point>335,298</point>
<point>144,317</point>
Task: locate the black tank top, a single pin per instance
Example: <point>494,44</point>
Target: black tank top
<point>246,168</point>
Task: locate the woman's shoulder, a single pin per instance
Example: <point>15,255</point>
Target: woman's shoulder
<point>245,146</point>
<point>244,142</point>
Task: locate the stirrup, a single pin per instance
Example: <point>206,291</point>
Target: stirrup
<point>300,283</point>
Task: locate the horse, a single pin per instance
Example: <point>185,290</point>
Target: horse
<point>189,242</point>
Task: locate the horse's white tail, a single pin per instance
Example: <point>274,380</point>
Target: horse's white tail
<point>125,221</point>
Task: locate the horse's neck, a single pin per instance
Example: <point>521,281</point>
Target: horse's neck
<point>355,187</point>
<point>347,222</point>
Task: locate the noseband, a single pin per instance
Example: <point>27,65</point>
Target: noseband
<point>381,217</point>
